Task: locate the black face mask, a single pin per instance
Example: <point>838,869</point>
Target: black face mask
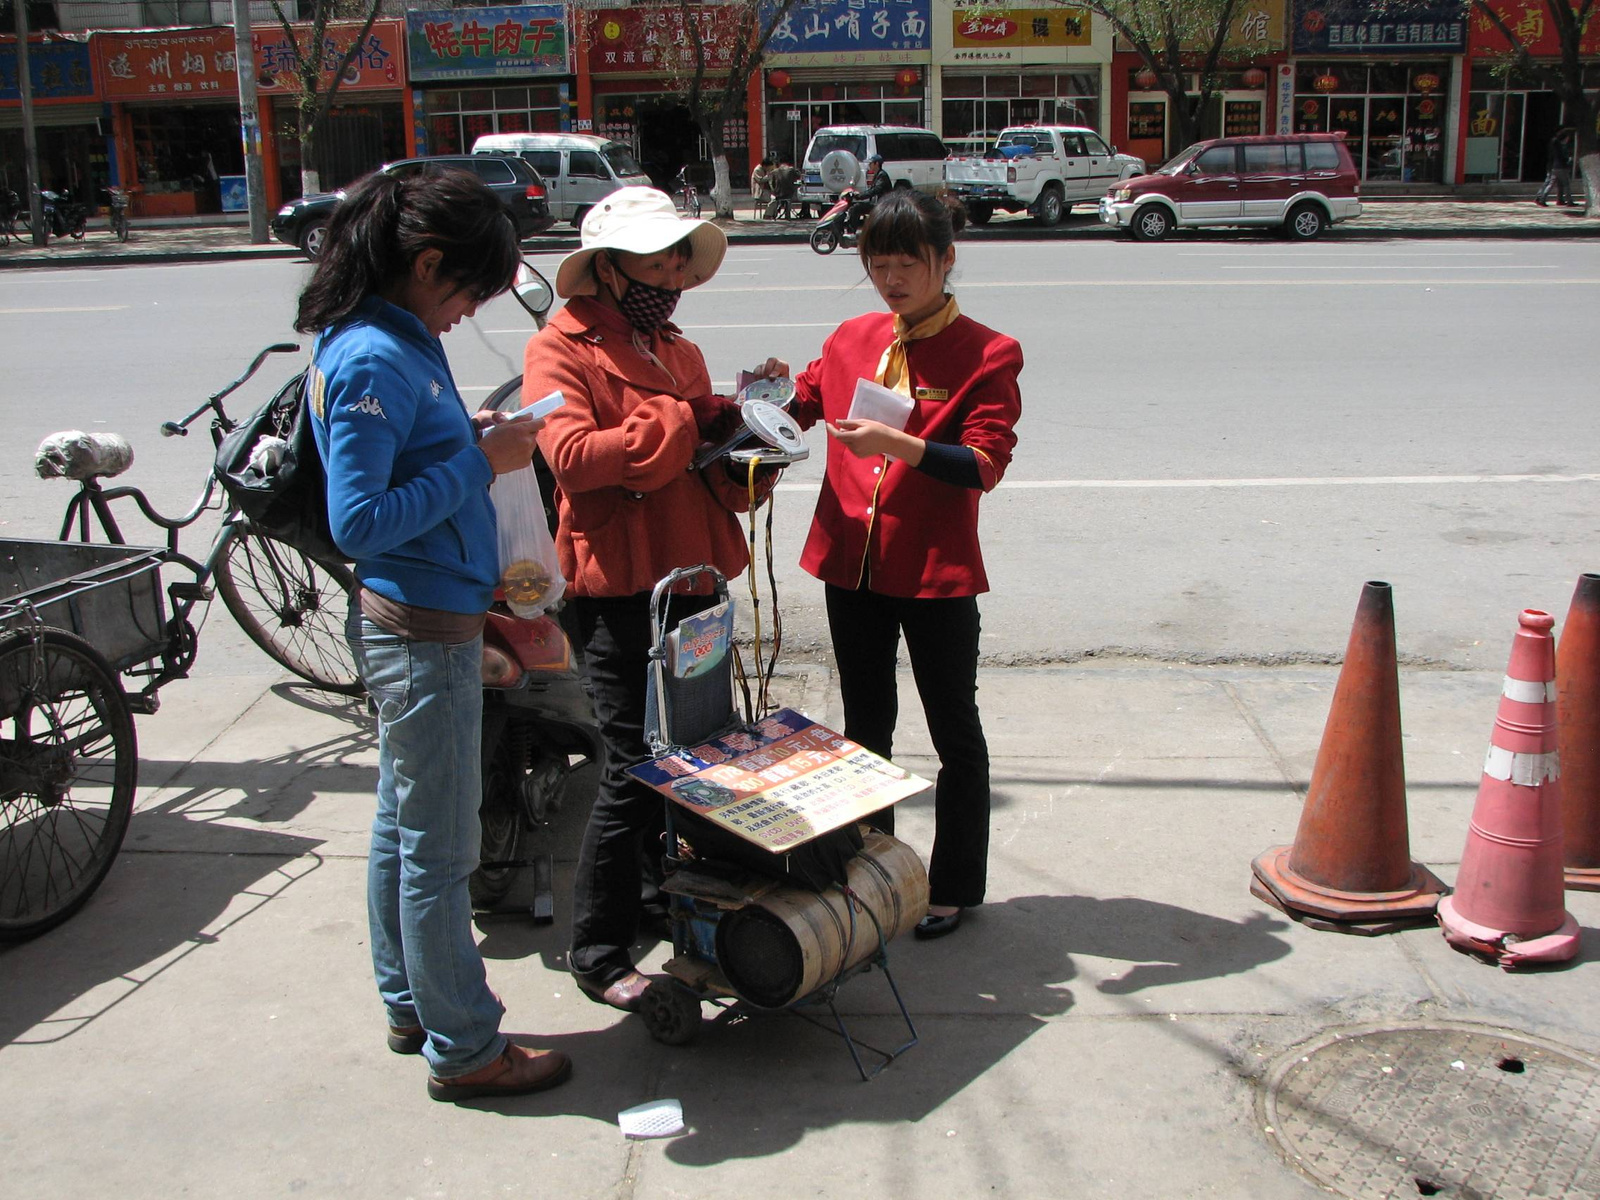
<point>647,307</point>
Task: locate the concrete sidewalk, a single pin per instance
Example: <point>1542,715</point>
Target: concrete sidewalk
<point>1381,218</point>
<point>1106,1026</point>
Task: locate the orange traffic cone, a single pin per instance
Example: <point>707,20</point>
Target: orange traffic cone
<point>1350,867</point>
<point>1508,896</point>
<point>1578,725</point>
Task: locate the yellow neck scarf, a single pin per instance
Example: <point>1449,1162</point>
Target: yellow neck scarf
<point>892,370</point>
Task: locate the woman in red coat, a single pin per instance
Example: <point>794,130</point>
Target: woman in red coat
<point>895,536</point>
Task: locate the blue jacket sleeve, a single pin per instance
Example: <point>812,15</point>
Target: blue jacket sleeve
<point>370,410</point>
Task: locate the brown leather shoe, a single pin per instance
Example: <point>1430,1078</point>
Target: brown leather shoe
<point>515,1073</point>
<point>626,993</point>
<point>408,1039</point>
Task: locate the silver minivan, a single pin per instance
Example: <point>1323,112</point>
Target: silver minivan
<point>578,168</point>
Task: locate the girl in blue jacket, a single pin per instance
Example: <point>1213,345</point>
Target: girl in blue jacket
<point>408,500</point>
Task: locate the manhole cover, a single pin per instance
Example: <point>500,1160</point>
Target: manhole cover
<point>1456,1111</point>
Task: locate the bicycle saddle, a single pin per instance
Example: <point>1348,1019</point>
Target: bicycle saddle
<point>74,454</point>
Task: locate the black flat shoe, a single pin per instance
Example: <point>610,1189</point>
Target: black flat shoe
<point>934,927</point>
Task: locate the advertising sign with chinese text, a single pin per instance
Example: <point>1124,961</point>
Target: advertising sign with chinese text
<point>376,65</point>
<point>1368,27</point>
<point>194,63</point>
<point>992,27</point>
<point>487,43</point>
<point>1257,29</point>
<point>57,70</point>
<point>782,783</point>
<point>656,40</point>
<point>1530,21</point>
<point>817,33</point>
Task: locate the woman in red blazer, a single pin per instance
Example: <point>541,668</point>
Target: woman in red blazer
<point>895,536</point>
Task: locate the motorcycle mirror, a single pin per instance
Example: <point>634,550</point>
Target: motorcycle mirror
<point>533,291</point>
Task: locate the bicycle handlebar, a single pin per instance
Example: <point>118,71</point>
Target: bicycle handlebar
<point>214,401</point>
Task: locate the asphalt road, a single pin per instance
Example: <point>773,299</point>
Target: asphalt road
<point>1220,440</point>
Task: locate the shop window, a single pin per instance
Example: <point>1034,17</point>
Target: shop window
<point>1003,85</point>
<point>962,86</point>
<point>1039,85</point>
<point>441,101</point>
<point>512,122</point>
<point>477,98</point>
<point>511,98</point>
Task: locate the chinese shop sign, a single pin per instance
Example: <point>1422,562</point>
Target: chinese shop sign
<point>57,70</point>
<point>983,28</point>
<point>1530,21</point>
<point>189,63</point>
<point>840,32</point>
<point>1363,27</point>
<point>487,43</point>
<point>782,783</point>
<point>376,64</point>
<point>658,40</point>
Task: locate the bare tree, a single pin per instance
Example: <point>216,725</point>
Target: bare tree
<point>317,67</point>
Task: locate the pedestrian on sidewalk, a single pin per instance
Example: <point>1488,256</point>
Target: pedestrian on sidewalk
<point>761,183</point>
<point>895,535</point>
<point>408,501</point>
<point>1558,176</point>
<point>631,510</point>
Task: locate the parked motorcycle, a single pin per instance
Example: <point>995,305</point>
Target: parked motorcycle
<point>64,215</point>
<point>840,224</point>
<point>538,722</point>
<point>10,207</point>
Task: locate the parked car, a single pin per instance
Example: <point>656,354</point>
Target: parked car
<point>1300,182</point>
<point>578,168</point>
<point>913,158</point>
<point>1045,169</point>
<point>304,222</point>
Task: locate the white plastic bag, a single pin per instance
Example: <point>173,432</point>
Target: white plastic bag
<point>530,572</point>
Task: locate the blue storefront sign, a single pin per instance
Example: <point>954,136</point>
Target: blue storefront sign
<point>849,27</point>
<point>59,71</point>
<point>1376,27</point>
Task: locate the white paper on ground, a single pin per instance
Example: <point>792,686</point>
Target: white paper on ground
<point>874,402</point>
<point>657,1118</point>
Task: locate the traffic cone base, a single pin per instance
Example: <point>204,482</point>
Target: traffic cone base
<point>1507,948</point>
<point>1285,889</point>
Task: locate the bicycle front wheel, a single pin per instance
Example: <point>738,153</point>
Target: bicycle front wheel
<point>69,764</point>
<point>694,204</point>
<point>292,606</point>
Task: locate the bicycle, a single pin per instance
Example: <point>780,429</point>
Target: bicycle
<point>10,207</point>
<point>119,212</point>
<point>688,195</point>
<point>289,604</point>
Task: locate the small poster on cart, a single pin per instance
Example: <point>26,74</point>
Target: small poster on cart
<point>781,783</point>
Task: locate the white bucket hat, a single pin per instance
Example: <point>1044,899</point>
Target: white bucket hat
<point>639,220</point>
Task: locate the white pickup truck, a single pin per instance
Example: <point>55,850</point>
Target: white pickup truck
<point>1045,169</point>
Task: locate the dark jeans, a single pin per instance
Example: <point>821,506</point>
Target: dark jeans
<point>942,640</point>
<point>627,816</point>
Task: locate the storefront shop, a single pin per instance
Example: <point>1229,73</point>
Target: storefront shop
<point>71,131</point>
<point>640,61</point>
<point>1015,66</point>
<point>368,124</point>
<point>175,112</point>
<point>488,70</point>
<point>1510,116</point>
<point>846,62</point>
<point>1385,83</point>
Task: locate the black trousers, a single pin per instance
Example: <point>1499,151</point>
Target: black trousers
<point>627,816</point>
<point>942,641</point>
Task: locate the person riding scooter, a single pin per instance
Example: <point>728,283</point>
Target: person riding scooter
<point>879,185</point>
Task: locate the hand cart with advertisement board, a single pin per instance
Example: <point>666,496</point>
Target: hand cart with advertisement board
<point>72,617</point>
<point>756,794</point>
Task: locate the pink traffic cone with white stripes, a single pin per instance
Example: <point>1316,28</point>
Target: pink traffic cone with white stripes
<point>1509,894</point>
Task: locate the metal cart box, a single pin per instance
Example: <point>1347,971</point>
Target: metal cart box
<point>108,595</point>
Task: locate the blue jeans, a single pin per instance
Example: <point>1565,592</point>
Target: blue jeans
<point>425,843</point>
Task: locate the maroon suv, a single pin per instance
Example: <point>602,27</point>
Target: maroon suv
<point>1300,182</point>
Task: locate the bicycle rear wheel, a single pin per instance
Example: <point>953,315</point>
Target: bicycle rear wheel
<point>292,606</point>
<point>69,764</point>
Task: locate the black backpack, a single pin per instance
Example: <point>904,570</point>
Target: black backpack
<point>288,502</point>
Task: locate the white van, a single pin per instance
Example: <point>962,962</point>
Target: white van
<point>578,168</point>
<point>913,158</point>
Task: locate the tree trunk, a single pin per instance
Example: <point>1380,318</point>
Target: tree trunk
<point>722,188</point>
<point>1589,175</point>
<point>1186,122</point>
<point>310,179</point>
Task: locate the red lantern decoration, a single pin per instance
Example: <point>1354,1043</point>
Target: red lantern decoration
<point>1146,79</point>
<point>778,79</point>
<point>907,78</point>
<point>1325,82</point>
<point>1254,78</point>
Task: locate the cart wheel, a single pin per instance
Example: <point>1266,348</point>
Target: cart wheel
<point>671,1012</point>
<point>69,763</point>
<point>292,606</point>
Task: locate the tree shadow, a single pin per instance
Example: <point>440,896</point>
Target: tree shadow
<point>153,910</point>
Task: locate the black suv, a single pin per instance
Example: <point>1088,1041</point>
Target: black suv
<point>521,189</point>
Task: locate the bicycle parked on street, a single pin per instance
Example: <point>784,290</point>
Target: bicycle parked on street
<point>79,613</point>
<point>119,212</point>
<point>687,195</point>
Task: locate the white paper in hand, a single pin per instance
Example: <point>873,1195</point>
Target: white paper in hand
<point>874,402</point>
